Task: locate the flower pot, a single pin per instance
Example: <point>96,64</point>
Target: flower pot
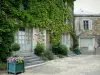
<point>76,51</point>
<point>15,67</point>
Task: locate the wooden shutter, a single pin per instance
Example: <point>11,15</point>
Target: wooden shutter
<point>81,25</point>
<point>90,24</point>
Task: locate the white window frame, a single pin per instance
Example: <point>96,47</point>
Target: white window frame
<point>65,40</point>
<point>25,37</point>
<point>90,23</point>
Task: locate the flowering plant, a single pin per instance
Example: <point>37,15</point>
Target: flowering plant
<point>15,59</point>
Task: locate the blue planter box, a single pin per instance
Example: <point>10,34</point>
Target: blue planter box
<point>15,67</point>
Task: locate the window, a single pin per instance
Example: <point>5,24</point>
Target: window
<point>23,36</point>
<point>65,39</point>
<point>86,24</point>
<point>28,36</point>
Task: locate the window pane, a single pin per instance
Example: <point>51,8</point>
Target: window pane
<point>23,33</point>
<point>23,42</point>
<point>23,37</point>
<point>26,33</point>
<point>19,41</point>
<point>19,33</point>
<point>86,22</point>
<point>87,26</point>
<point>20,37</point>
<point>26,37</point>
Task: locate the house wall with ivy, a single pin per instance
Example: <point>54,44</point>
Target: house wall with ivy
<point>43,14</point>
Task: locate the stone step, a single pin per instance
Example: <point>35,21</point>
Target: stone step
<point>33,63</point>
<point>32,60</point>
<point>31,57</point>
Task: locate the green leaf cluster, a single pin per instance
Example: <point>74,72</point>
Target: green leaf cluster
<point>43,14</point>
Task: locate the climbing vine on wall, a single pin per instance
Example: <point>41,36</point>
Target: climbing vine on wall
<point>43,14</point>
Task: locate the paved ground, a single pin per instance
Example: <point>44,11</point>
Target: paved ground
<point>78,65</point>
<point>98,51</point>
<point>86,52</point>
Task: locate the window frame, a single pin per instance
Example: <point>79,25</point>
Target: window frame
<point>86,24</point>
<point>89,24</point>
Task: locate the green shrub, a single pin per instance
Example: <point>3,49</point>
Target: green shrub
<point>3,66</point>
<point>48,55</point>
<point>44,58</point>
<point>60,56</point>
<point>39,49</point>
<point>15,47</point>
<point>59,49</point>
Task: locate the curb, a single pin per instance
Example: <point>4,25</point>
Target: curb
<point>28,67</point>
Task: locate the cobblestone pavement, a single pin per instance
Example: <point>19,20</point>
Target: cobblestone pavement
<point>77,65</point>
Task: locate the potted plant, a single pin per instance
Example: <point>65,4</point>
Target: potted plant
<point>15,65</point>
<point>77,51</point>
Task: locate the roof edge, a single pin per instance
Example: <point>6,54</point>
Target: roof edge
<point>87,15</point>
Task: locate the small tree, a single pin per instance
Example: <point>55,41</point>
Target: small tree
<point>15,47</point>
<point>75,41</point>
<point>75,48</point>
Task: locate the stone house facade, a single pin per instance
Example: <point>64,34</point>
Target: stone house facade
<point>28,38</point>
<point>87,29</point>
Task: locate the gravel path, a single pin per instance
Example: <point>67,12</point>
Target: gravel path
<point>78,65</point>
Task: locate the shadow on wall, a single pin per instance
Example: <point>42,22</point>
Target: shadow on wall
<point>98,40</point>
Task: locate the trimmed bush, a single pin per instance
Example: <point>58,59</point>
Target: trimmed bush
<point>15,47</point>
<point>3,66</point>
<point>48,55</point>
<point>39,49</point>
<point>59,49</point>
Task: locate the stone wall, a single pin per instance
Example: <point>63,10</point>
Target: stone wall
<point>95,26</point>
<point>39,36</point>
